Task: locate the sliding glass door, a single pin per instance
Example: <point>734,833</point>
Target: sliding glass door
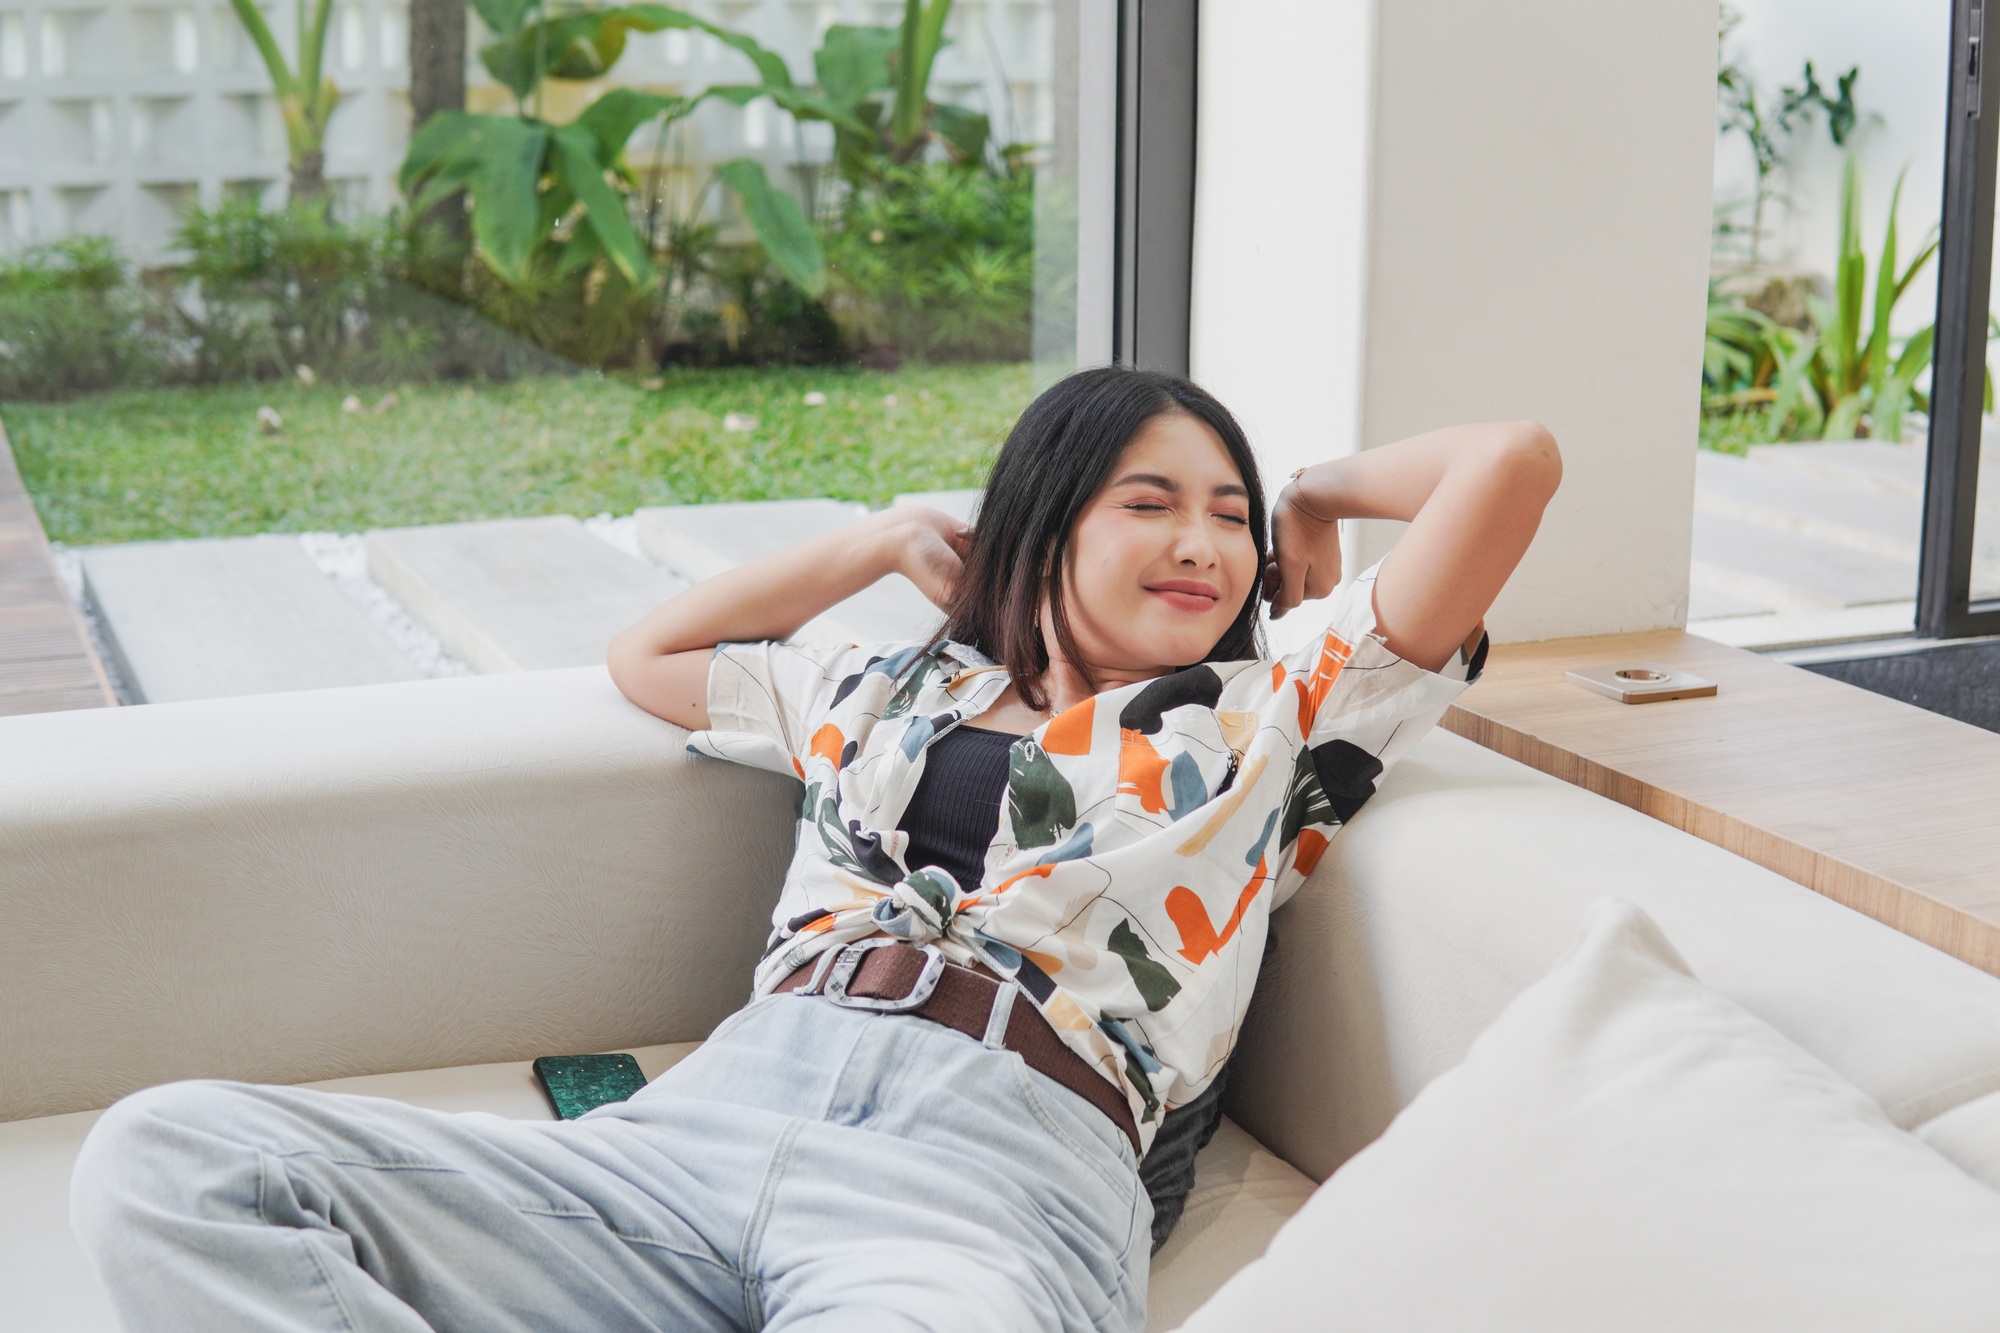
<point>1959,586</point>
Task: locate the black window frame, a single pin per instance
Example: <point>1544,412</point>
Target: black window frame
<point>1153,246</point>
<point>1945,609</point>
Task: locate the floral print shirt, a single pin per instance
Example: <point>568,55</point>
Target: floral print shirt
<point>1145,836</point>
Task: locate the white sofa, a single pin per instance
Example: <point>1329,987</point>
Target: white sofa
<point>415,889</point>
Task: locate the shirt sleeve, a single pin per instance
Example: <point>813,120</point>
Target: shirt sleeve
<point>1361,707</point>
<point>766,701</point>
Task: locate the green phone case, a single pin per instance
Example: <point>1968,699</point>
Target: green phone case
<point>579,1083</point>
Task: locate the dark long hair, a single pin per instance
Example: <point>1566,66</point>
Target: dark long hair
<point>1059,454</point>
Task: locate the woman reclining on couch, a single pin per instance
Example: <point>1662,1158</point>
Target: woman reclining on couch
<point>1035,865</point>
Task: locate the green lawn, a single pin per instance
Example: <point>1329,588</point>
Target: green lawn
<point>145,464</point>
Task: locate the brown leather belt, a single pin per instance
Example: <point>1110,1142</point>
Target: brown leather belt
<point>891,976</point>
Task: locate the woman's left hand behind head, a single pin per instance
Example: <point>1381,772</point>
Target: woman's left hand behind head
<point>1305,554</point>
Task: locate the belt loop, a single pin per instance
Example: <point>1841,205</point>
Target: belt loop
<point>996,1018</point>
<point>820,969</point>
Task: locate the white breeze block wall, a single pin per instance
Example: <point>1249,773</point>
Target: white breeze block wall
<point>117,115</point>
<point>1510,219</point>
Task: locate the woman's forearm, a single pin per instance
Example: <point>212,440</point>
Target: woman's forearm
<point>769,598</point>
<point>1473,497</point>
<point>1395,481</point>
<point>661,663</point>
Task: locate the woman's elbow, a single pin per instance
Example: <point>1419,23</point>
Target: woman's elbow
<point>1527,455</point>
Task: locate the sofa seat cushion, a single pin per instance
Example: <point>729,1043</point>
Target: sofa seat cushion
<point>1242,1195</point>
<point>1628,1149</point>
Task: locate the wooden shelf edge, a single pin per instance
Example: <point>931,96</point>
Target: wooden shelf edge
<point>1952,930</point>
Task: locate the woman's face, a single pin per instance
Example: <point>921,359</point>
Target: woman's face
<point>1162,556</point>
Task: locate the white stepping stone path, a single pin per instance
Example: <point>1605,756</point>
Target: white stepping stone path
<point>240,615</point>
<point>699,541</point>
<point>521,594</point>
<point>1807,543</point>
<point>959,504</point>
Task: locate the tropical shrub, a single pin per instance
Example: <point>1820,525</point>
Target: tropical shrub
<point>1842,379</point>
<point>72,320</point>
<point>306,97</point>
<point>874,89</point>
<point>266,291</point>
<point>1738,356</point>
<point>547,200</point>
<point>937,259</point>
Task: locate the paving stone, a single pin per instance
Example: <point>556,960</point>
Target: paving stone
<point>240,615</point>
<point>1796,573</point>
<point>960,504</point>
<point>1710,603</point>
<point>698,541</point>
<point>1885,620</point>
<point>1898,468</point>
<point>518,594</point>
<point>1811,504</point>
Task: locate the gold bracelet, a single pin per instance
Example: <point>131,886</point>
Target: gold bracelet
<point>1296,503</point>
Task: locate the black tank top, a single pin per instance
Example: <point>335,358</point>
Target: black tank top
<point>951,820</point>
<point>955,810</point>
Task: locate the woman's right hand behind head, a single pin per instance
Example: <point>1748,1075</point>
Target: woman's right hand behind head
<point>931,546</point>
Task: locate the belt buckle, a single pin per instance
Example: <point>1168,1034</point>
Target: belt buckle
<point>849,962</point>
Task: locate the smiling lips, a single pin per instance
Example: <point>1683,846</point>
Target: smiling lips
<point>1190,595</point>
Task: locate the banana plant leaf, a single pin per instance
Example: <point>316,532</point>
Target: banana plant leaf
<point>498,160</point>
<point>612,118</point>
<point>780,224</point>
<point>563,46</point>
<point>604,212</point>
<point>583,44</point>
<point>771,67</point>
<point>920,39</point>
<point>525,176</point>
<point>966,131</point>
<point>501,16</point>
<point>855,62</point>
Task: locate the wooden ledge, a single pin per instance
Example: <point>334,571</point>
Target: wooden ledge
<point>1888,809</point>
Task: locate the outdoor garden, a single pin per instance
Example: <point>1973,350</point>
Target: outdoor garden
<point>1793,355</point>
<point>560,319</point>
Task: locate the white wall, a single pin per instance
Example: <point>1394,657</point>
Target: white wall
<point>1502,212</point>
<point>1902,48</point>
<point>1281,220</point>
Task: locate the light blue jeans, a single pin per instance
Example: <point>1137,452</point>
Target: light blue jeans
<point>809,1167</point>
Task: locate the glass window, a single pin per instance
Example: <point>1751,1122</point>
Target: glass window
<point>1829,168</point>
<point>401,380</point>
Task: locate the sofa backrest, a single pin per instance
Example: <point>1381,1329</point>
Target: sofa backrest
<point>1466,879</point>
<point>290,887</point>
<point>295,887</point>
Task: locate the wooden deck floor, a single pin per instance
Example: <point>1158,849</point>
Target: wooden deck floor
<point>46,663</point>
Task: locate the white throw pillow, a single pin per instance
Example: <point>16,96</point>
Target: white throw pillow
<point>1628,1150</point>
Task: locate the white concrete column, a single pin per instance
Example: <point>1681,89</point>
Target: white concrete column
<point>1415,212</point>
